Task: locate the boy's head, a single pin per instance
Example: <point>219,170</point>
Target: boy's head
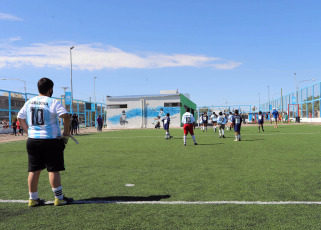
<point>187,109</point>
<point>45,85</point>
<point>236,112</point>
<point>230,112</point>
<point>220,113</point>
<point>260,112</point>
<point>167,114</point>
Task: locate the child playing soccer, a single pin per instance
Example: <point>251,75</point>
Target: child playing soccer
<point>205,121</point>
<point>221,121</point>
<point>214,121</point>
<point>260,120</point>
<point>237,122</point>
<point>188,121</point>
<point>166,121</point>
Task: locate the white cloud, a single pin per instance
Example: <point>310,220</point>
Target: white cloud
<point>9,17</point>
<point>98,57</point>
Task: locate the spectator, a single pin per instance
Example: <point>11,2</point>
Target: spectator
<point>14,126</point>
<point>100,123</point>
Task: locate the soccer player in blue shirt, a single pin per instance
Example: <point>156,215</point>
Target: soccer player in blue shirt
<point>39,118</point>
<point>237,122</point>
<point>166,121</point>
<point>260,120</point>
<point>275,114</point>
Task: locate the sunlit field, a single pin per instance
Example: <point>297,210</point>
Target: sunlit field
<point>135,179</point>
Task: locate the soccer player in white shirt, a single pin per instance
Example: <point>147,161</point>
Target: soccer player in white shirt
<point>214,120</point>
<point>230,117</point>
<point>39,118</point>
<point>188,121</point>
<point>221,121</point>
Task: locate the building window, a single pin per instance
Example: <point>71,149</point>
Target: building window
<point>172,104</point>
<point>121,106</point>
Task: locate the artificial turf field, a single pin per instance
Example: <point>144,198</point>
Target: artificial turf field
<point>281,164</point>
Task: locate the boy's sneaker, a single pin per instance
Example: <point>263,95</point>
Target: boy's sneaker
<point>235,140</point>
<point>220,136</point>
<point>223,136</point>
<point>184,144</point>
<point>35,203</point>
<point>171,137</point>
<point>195,143</point>
<point>64,201</point>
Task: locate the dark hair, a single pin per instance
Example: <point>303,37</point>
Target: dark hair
<point>44,85</point>
<point>167,114</point>
<point>236,111</point>
<point>220,113</point>
<point>187,109</point>
<point>260,112</point>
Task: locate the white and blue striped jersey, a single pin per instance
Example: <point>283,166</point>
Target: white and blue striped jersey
<point>42,116</point>
<point>221,120</point>
<point>214,117</point>
<point>230,117</point>
<point>188,118</point>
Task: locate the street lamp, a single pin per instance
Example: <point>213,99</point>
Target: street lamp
<point>17,79</point>
<point>259,101</point>
<point>269,96</point>
<point>72,95</point>
<point>95,100</point>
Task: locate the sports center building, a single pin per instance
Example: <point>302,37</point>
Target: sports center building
<point>144,111</point>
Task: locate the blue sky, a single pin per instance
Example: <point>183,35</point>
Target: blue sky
<point>213,50</point>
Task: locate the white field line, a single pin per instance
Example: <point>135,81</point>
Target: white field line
<point>261,134</point>
<point>180,202</point>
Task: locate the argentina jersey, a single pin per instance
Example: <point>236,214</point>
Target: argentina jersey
<point>42,116</point>
<point>187,118</point>
<point>221,120</point>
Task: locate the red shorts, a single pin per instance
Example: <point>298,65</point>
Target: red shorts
<point>188,128</point>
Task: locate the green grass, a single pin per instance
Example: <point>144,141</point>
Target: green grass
<point>278,165</point>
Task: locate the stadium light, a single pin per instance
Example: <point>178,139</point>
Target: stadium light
<point>72,95</point>
<point>17,79</point>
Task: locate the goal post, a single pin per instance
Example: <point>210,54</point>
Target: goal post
<point>293,111</point>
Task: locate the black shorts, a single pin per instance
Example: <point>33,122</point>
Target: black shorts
<point>45,153</point>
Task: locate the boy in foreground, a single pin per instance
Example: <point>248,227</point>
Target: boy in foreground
<point>237,122</point>
<point>188,121</point>
<point>39,118</point>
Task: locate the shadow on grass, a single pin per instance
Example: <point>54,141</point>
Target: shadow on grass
<point>120,199</point>
<point>255,140</point>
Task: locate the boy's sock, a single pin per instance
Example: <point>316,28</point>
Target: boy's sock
<point>58,192</point>
<point>193,136</point>
<point>219,131</point>
<point>223,132</point>
<point>184,140</point>
<point>33,195</point>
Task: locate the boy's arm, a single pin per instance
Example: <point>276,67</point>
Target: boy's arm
<point>66,120</point>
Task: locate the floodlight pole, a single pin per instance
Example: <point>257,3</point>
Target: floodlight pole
<point>95,100</point>
<point>259,101</point>
<point>269,97</point>
<point>72,95</point>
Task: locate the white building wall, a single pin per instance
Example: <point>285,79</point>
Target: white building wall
<point>142,112</point>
